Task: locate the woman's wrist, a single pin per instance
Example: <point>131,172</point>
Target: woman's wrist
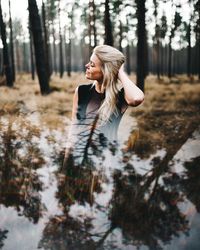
<point>121,74</point>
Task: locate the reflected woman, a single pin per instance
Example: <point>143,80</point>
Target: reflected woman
<point>98,107</point>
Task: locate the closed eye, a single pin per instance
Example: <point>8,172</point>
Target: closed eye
<point>92,64</point>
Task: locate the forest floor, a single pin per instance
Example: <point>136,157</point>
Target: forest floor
<point>166,119</point>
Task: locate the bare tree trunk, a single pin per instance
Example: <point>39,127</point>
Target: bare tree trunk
<point>61,68</point>
<point>141,45</point>
<point>68,51</point>
<point>32,57</point>
<point>46,40</point>
<point>128,68</point>
<point>120,35</point>
<point>36,29</point>
<point>161,60</point>
<point>92,26</point>
<point>170,58</point>
<point>108,25</point>
<point>54,50</point>
<point>6,63</point>
<point>158,57</point>
<point>25,63</point>
<point>189,51</point>
<point>11,45</point>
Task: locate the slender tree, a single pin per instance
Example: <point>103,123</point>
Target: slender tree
<point>32,57</point>
<point>197,32</point>
<point>189,49</point>
<point>163,31</point>
<point>141,44</point>
<point>46,39</point>
<point>11,44</point>
<point>6,62</point>
<point>52,15</point>
<point>36,29</point>
<point>108,25</point>
<point>157,39</point>
<point>61,63</point>
<point>176,24</point>
<point>68,51</point>
<point>92,26</point>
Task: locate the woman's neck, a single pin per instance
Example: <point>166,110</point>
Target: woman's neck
<point>98,87</point>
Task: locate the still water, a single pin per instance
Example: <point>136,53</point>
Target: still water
<point>111,198</point>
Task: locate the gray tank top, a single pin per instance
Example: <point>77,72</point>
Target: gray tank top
<point>89,101</point>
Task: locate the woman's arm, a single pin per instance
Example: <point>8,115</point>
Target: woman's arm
<point>75,104</point>
<point>132,94</point>
<point>71,132</point>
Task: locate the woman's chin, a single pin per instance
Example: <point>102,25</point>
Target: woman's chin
<point>87,76</point>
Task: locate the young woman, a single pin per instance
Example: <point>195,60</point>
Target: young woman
<point>98,107</point>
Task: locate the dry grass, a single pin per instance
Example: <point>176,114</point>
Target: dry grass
<point>170,113</point>
<point>169,110</point>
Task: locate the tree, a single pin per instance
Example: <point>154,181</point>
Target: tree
<point>157,39</point>
<point>6,62</point>
<point>197,31</point>
<point>108,25</point>
<point>163,31</point>
<point>36,29</point>
<point>61,65</point>
<point>141,44</point>
<point>92,26</point>
<point>46,39</point>
<point>188,34</point>
<point>175,25</point>
<point>11,45</point>
<point>32,57</point>
<point>52,15</point>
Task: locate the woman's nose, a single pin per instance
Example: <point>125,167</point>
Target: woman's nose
<point>87,65</point>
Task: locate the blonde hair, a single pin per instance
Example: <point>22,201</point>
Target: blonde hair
<point>111,60</point>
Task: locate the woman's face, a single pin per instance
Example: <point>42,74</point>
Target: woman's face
<point>93,69</point>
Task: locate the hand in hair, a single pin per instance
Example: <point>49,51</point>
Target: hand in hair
<point>132,94</point>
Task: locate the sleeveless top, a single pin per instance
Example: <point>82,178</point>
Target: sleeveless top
<point>89,101</point>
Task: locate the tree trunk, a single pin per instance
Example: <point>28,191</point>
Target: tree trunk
<point>11,45</point>
<point>25,62</point>
<point>107,25</point>
<point>128,68</point>
<point>68,53</point>
<point>32,57</point>
<point>46,40</point>
<point>158,57</point>
<point>54,50</point>
<point>170,58</point>
<point>161,60</point>
<point>141,45</point>
<point>6,63</point>
<point>36,29</point>
<point>61,68</point>
<point>120,35</point>
<point>92,26</point>
<point>189,51</point>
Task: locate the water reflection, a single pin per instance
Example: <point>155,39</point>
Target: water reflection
<point>19,158</point>
<point>103,197</point>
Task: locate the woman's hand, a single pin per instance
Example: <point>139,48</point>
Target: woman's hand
<point>121,71</point>
<point>132,94</point>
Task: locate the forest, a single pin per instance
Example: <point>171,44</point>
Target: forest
<point>139,193</point>
<point>59,37</point>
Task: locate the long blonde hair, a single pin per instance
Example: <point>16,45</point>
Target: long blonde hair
<point>111,60</point>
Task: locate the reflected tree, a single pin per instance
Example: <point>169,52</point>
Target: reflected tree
<point>147,214</point>
<point>19,159</point>
<point>3,236</point>
<point>190,182</point>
